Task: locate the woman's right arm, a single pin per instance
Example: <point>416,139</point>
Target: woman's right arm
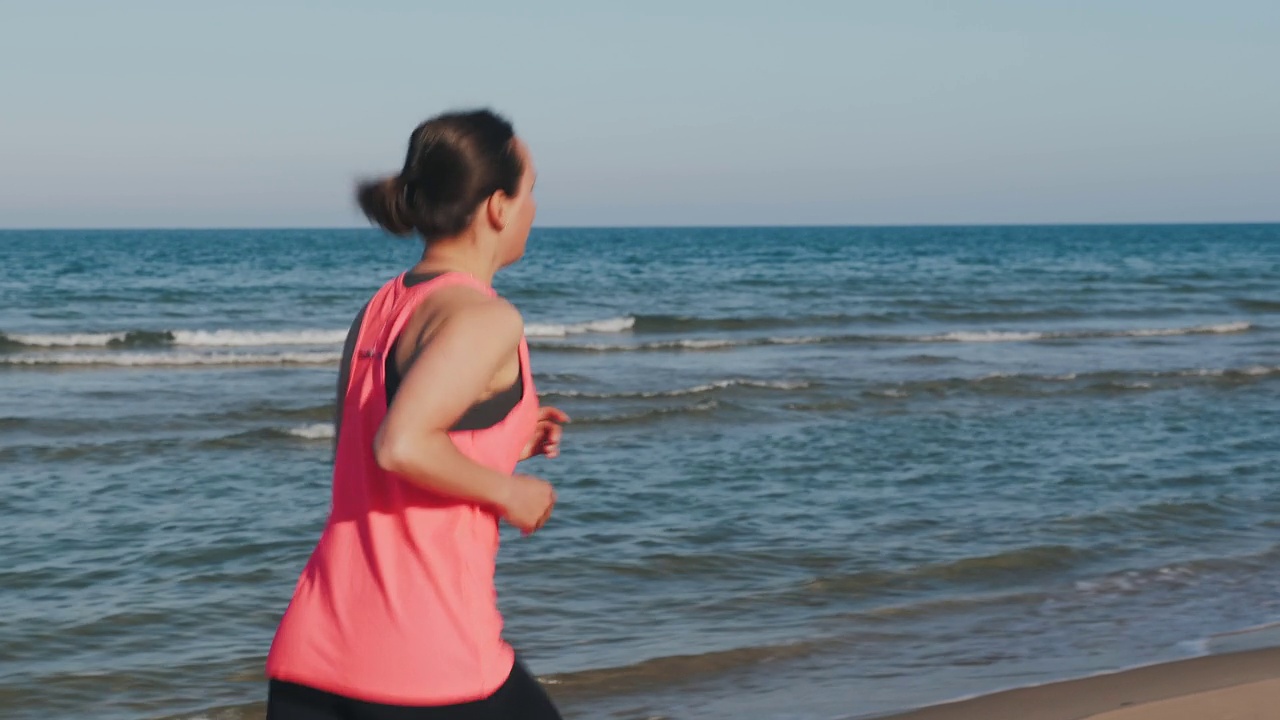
<point>451,370</point>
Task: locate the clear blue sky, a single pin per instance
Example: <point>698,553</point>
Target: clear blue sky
<point>263,112</point>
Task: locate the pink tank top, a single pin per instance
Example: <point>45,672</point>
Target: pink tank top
<point>397,603</point>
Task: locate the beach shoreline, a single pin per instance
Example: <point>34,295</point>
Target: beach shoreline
<point>1234,686</point>
<point>1243,685</point>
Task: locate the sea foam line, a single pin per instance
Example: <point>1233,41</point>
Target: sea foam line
<point>260,338</point>
<point>959,336</point>
<point>314,431</point>
<point>610,325</point>
<point>693,390</point>
<point>333,337</point>
<point>1015,336</point>
<point>170,359</point>
<point>196,338</point>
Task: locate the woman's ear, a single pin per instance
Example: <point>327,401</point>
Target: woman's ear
<point>496,210</point>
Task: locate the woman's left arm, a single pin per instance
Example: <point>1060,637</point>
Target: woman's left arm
<point>546,434</point>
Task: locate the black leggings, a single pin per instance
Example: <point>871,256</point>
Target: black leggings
<point>521,697</point>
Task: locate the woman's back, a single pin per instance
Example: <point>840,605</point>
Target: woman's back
<point>397,604</point>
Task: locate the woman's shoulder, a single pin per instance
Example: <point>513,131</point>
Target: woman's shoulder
<point>466,310</point>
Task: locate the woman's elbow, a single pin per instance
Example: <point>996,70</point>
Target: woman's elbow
<point>390,452</point>
<point>412,453</point>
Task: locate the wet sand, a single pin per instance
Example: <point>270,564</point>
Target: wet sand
<point>1236,686</point>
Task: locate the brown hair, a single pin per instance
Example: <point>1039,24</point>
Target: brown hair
<point>454,162</point>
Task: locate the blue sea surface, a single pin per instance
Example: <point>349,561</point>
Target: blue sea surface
<point>812,473</point>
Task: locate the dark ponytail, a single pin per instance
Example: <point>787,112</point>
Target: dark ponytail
<point>454,162</point>
<point>383,203</point>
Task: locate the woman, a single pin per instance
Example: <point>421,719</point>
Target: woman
<point>395,615</point>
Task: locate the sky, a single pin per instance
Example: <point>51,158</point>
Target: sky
<point>264,113</point>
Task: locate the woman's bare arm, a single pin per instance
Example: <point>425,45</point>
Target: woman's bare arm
<point>453,367</point>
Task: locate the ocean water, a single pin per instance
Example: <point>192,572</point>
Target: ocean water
<point>812,473</point>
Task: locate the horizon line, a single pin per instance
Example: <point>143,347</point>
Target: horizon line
<point>673,226</point>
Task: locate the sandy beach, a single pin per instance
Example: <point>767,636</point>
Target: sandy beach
<point>1237,686</point>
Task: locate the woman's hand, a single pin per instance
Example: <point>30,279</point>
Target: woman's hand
<point>528,503</point>
<point>546,434</point>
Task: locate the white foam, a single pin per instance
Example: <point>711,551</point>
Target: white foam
<point>694,390</point>
<point>71,340</point>
<point>802,340</point>
<point>252,338</point>
<point>315,431</point>
<point>1194,648</point>
<point>1204,372</point>
<point>335,337</point>
<point>611,325</point>
<point>665,345</point>
<point>1131,581</point>
<point>196,338</point>
<point>137,359</point>
<point>983,336</point>
<point>687,344</point>
<point>1254,637</point>
<point>976,336</point>
<point>1260,370</point>
<point>698,344</point>
<point>1231,327</point>
<point>724,384</point>
<point>1268,626</point>
<point>1252,371</point>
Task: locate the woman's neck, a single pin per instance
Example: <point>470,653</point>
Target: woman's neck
<point>457,257</point>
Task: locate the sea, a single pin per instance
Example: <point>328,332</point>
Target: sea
<point>812,473</point>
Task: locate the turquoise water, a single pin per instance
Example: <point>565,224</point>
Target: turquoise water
<point>813,472</point>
